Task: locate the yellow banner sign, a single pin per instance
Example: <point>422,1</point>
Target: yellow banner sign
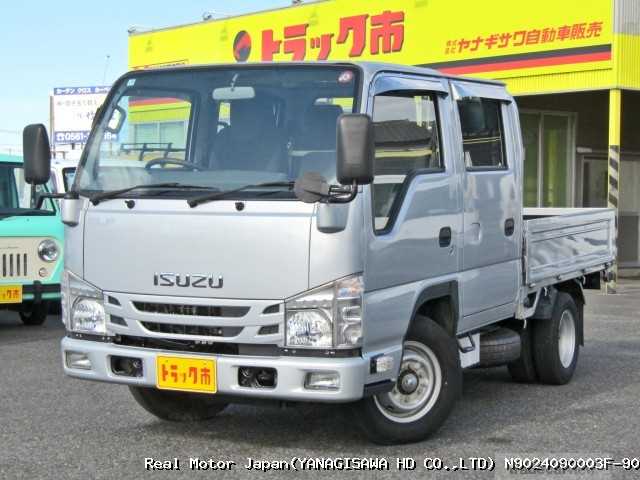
<point>492,38</point>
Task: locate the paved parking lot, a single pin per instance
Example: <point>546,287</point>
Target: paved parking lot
<point>53,426</point>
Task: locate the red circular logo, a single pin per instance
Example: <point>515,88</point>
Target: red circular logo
<point>242,46</point>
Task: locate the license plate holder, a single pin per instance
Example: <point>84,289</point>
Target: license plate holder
<point>10,294</point>
<point>186,374</point>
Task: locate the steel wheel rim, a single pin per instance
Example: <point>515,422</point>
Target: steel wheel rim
<point>567,338</point>
<point>421,377</point>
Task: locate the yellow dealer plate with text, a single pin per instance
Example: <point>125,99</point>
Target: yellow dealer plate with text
<point>188,374</point>
<point>10,293</point>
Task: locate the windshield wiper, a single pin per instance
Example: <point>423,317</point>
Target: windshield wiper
<point>102,196</point>
<point>210,197</point>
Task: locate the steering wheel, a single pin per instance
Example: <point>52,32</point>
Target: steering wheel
<point>171,161</point>
<point>223,125</point>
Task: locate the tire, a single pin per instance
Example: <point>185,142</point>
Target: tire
<point>430,351</point>
<point>499,347</point>
<point>555,342</point>
<point>523,370</point>
<point>177,406</point>
<point>36,315</point>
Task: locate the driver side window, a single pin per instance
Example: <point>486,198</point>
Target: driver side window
<point>406,141</point>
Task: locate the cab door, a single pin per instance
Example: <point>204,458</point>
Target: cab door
<point>414,222</point>
<point>491,201</point>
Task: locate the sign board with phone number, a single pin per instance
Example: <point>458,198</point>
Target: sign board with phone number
<point>73,110</point>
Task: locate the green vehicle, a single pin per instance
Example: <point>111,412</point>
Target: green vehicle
<point>31,242</point>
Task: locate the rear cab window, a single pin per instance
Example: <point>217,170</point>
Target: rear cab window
<point>482,134</point>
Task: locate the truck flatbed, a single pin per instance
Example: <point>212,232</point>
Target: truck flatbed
<point>565,243</point>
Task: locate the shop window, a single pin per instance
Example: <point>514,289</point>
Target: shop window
<point>549,153</point>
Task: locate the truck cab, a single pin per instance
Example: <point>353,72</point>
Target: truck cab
<point>317,232</point>
<point>31,243</point>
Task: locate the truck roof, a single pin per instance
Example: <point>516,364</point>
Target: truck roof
<point>370,68</point>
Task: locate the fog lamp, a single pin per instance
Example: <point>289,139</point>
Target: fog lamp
<point>77,360</point>
<point>322,381</point>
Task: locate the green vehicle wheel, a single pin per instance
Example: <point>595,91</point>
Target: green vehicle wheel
<point>36,315</point>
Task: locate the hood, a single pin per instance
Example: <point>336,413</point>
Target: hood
<point>32,226</point>
<point>261,252</point>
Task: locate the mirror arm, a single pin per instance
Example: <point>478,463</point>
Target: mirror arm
<point>352,191</point>
<point>43,196</point>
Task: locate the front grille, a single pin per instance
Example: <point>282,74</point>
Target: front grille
<point>198,346</point>
<point>14,265</point>
<point>205,331</point>
<point>191,310</point>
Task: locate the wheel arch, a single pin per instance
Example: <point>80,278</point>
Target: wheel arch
<point>440,303</point>
<point>548,302</point>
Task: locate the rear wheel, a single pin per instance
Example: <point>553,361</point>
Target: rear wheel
<point>428,384</point>
<point>177,406</point>
<point>36,314</point>
<point>555,342</point>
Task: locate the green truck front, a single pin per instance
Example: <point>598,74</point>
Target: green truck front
<point>31,242</point>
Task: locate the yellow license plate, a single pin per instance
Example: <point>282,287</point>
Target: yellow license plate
<point>189,374</point>
<point>10,293</point>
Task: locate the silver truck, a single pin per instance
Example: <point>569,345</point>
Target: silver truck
<point>315,232</point>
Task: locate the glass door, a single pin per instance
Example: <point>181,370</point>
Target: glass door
<point>549,142</point>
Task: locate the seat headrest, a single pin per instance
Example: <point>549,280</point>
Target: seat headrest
<point>253,115</point>
<point>319,128</point>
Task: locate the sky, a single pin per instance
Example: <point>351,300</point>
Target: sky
<point>46,44</point>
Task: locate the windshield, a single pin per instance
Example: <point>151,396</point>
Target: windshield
<point>15,194</point>
<point>219,128</point>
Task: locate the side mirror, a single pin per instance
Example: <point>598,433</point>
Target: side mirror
<point>37,154</point>
<point>355,149</point>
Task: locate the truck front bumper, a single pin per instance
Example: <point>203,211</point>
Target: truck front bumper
<point>41,291</point>
<point>291,371</point>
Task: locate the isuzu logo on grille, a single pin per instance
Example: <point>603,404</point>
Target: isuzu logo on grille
<point>194,280</point>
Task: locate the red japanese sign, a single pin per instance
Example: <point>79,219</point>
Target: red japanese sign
<point>523,38</point>
<point>382,33</point>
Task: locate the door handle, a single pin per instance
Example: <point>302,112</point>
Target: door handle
<point>509,227</point>
<point>445,237</point>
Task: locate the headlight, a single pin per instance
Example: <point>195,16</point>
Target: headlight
<point>48,250</point>
<point>87,315</point>
<point>82,306</point>
<point>326,317</point>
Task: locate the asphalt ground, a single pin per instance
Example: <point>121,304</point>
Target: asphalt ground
<point>52,426</point>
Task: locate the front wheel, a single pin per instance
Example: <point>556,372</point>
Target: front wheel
<point>36,314</point>
<point>177,406</point>
<point>429,383</point>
